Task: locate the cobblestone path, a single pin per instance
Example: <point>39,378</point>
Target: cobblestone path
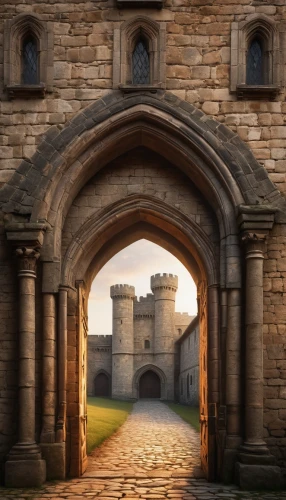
<point>154,455</point>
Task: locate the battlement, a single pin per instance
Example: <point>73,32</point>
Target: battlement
<point>144,306</point>
<point>122,291</point>
<point>99,340</point>
<point>143,299</point>
<point>164,280</point>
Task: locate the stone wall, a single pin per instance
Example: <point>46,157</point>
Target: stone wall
<point>98,358</point>
<point>189,365</point>
<point>138,172</point>
<point>197,70</point>
<point>275,344</point>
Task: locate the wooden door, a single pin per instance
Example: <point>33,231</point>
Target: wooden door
<point>82,372</point>
<point>149,385</point>
<point>101,385</point>
<point>208,451</point>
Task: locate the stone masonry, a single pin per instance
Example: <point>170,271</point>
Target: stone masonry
<point>194,160</point>
<point>144,338</point>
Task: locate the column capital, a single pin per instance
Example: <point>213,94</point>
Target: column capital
<point>254,243</point>
<point>27,261</point>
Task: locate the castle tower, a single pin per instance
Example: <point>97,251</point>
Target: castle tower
<point>122,340</point>
<point>164,288</point>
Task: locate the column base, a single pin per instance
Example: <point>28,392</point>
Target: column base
<point>25,473</point>
<point>55,456</point>
<point>257,477</point>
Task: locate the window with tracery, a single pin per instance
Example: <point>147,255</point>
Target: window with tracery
<point>140,63</point>
<point>28,56</point>
<point>257,60</point>
<point>255,69</point>
<point>29,61</point>
<point>139,54</point>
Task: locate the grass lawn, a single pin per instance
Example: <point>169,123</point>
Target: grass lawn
<point>190,414</point>
<point>104,416</point>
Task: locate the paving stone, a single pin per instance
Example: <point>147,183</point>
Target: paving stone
<point>151,434</point>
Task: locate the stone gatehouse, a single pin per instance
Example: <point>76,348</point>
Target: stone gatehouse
<point>158,119</point>
<point>141,359</point>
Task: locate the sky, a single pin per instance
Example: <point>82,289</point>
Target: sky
<point>134,266</point>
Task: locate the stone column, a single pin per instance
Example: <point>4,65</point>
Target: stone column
<point>254,342</point>
<point>62,366</point>
<point>232,383</point>
<point>49,368</point>
<point>52,452</point>
<point>25,466</point>
<point>255,468</point>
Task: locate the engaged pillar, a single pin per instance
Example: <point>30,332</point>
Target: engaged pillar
<point>25,466</point>
<point>256,468</point>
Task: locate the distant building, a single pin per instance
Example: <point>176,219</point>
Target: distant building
<point>142,357</point>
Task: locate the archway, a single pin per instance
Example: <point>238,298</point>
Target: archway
<point>225,181</point>
<point>149,385</point>
<point>101,384</point>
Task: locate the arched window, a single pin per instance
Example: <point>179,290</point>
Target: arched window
<point>28,56</point>
<point>257,58</point>
<point>139,52</point>
<point>147,344</point>
<point>29,61</point>
<point>255,65</point>
<point>179,331</point>
<point>140,63</point>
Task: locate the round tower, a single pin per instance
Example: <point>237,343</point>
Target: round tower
<point>164,287</point>
<point>122,340</point>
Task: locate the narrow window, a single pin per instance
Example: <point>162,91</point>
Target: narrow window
<point>191,380</point>
<point>179,331</point>
<point>188,386</point>
<point>182,387</point>
<point>140,63</point>
<point>147,344</point>
<point>29,61</point>
<point>254,63</point>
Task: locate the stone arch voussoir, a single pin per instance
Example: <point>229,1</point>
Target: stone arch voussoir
<point>31,189</point>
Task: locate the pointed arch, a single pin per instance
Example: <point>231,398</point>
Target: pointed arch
<point>150,367</point>
<point>264,31</point>
<point>15,31</point>
<point>127,37</point>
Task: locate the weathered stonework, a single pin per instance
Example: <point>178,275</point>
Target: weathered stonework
<point>212,169</point>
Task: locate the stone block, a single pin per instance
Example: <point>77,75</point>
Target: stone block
<point>54,455</point>
<point>25,473</point>
<point>191,56</point>
<point>258,477</point>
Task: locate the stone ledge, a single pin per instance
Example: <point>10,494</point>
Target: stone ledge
<point>156,4</point>
<point>26,91</point>
<point>257,92</point>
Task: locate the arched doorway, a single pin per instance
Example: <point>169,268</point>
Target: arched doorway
<point>224,178</point>
<point>102,385</point>
<point>149,385</point>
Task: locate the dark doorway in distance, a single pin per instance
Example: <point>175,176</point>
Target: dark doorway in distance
<point>149,385</point>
